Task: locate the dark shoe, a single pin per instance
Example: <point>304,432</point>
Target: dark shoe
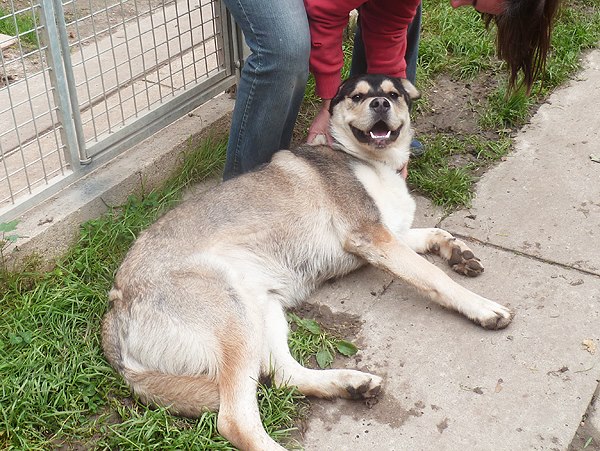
<point>416,148</point>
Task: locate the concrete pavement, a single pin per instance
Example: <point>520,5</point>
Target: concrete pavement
<point>450,385</point>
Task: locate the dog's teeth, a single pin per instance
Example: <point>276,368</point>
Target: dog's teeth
<point>374,136</point>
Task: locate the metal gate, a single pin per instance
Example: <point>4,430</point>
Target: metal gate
<point>81,80</point>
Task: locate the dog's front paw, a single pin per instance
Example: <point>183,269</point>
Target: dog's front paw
<point>496,317</point>
<point>463,261</point>
<point>359,385</point>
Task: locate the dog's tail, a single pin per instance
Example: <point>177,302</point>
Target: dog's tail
<point>188,396</point>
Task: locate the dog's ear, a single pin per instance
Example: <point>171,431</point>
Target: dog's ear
<point>410,89</point>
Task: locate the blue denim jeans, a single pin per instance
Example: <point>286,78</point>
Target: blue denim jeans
<point>272,83</point>
<point>359,60</point>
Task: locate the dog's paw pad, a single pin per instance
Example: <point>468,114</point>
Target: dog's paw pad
<point>368,389</point>
<point>464,262</point>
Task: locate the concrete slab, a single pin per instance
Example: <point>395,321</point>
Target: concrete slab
<point>545,199</point>
<point>451,385</point>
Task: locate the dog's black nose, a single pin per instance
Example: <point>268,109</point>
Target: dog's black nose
<point>380,105</point>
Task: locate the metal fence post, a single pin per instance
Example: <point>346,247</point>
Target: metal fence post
<point>71,86</point>
<point>58,79</point>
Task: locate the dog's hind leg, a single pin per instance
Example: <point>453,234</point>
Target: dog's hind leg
<point>239,419</point>
<point>377,245</point>
<point>321,383</point>
<point>437,241</point>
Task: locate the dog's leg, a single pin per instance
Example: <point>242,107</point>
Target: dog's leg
<point>437,241</point>
<point>239,419</point>
<point>377,245</point>
<point>321,383</point>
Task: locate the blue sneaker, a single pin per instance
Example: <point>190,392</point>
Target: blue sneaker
<point>416,148</point>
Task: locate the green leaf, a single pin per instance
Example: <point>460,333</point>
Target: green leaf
<point>12,238</point>
<point>8,226</point>
<point>14,339</point>
<point>324,358</point>
<point>26,336</point>
<point>311,325</point>
<point>346,348</point>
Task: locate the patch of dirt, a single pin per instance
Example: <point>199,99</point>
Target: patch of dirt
<point>587,437</point>
<point>343,325</point>
<point>388,410</point>
<point>454,106</point>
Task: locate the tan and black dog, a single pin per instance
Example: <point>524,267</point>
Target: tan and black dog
<point>197,307</point>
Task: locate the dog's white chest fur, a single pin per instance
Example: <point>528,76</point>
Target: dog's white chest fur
<point>389,191</point>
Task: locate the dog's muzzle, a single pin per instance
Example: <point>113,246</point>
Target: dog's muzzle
<point>380,134</point>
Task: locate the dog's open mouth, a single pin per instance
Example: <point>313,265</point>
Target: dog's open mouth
<point>379,136</point>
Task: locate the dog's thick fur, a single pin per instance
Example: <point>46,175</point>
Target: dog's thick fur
<point>197,307</point>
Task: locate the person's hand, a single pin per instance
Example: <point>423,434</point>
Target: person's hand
<point>318,133</point>
<point>404,171</point>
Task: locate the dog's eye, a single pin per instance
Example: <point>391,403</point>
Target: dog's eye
<point>394,95</point>
<point>357,97</point>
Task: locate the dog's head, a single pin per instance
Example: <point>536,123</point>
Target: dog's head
<point>370,118</point>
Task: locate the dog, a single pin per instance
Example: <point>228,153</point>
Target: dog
<point>198,305</point>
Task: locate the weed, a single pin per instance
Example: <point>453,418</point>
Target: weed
<point>21,24</point>
<point>506,110</point>
<point>7,237</point>
<point>307,339</point>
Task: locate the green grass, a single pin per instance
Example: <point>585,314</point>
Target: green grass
<point>56,386</point>
<point>22,24</point>
<point>453,42</point>
<point>445,171</point>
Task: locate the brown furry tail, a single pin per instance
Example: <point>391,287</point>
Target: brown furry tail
<point>188,396</point>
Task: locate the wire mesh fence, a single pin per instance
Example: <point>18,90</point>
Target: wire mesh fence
<point>80,80</point>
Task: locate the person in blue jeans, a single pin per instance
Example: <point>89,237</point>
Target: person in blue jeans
<point>272,83</point>
<point>273,78</point>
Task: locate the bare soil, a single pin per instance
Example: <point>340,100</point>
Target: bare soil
<point>454,106</point>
